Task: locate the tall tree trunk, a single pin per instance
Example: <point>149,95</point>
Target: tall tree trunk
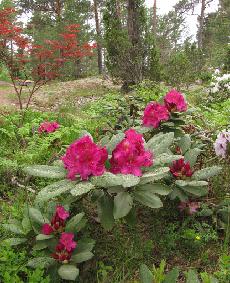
<point>155,17</point>
<point>98,30</point>
<point>201,24</point>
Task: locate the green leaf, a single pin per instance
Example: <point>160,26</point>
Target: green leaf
<point>106,180</point>
<point>41,262</point>
<point>16,229</point>
<point>36,216</point>
<point>155,175</point>
<point>191,155</point>
<point>40,246</point>
<point>114,141</point>
<point>104,141</point>
<point>165,158</point>
<point>46,171</point>
<point>42,237</point>
<point>84,245</point>
<point>172,276</point>
<point>116,190</point>
<point>160,143</point>
<point>206,173</point>
<point>105,212</point>
<point>82,256</point>
<point>15,241</point>
<point>82,188</point>
<point>192,277</point>
<point>54,190</point>
<point>123,203</point>
<point>182,183</point>
<point>75,223</point>
<point>185,143</point>
<point>146,275</point>
<point>129,180</point>
<point>155,188</point>
<point>196,188</point>
<point>26,224</point>
<point>148,198</point>
<point>68,272</point>
<point>178,193</point>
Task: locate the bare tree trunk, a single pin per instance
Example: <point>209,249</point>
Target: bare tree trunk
<point>155,17</point>
<point>201,24</point>
<point>98,30</point>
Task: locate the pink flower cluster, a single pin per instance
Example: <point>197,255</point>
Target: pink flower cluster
<point>65,247</point>
<point>130,155</point>
<point>48,127</point>
<point>189,207</point>
<point>181,169</point>
<point>57,222</point>
<point>155,113</point>
<point>85,158</point>
<point>222,144</point>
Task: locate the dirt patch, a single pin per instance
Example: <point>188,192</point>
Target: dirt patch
<point>6,89</point>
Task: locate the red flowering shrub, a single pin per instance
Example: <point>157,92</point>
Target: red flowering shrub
<point>130,155</point>
<point>65,247</point>
<point>181,169</point>
<point>57,222</point>
<point>48,127</point>
<point>154,114</point>
<point>85,158</point>
<point>175,102</point>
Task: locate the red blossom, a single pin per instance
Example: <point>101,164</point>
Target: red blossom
<point>48,127</point>
<point>130,156</point>
<point>85,158</point>
<point>154,114</point>
<point>175,102</point>
<point>181,169</point>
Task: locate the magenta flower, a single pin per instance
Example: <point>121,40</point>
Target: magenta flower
<point>57,222</point>
<point>48,127</point>
<point>67,241</point>
<point>47,229</point>
<point>154,114</point>
<point>189,207</point>
<point>175,102</point>
<point>180,169</point>
<point>65,247</point>
<point>130,155</point>
<point>85,158</point>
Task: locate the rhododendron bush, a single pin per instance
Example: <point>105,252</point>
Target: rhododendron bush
<point>142,165</point>
<point>56,236</point>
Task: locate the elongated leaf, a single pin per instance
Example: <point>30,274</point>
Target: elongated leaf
<point>68,272</point>
<point>165,158</point>
<point>82,188</point>
<point>206,173</point>
<point>182,183</point>
<point>84,245</point>
<point>114,141</point>
<point>41,262</point>
<point>41,245</point>
<point>105,212</point>
<point>178,193</point>
<point>191,155</point>
<point>155,188</point>
<point>172,276</point>
<point>160,143</point>
<point>15,241</point>
<point>123,203</point>
<point>42,237</point>
<point>46,171</point>
<point>197,191</point>
<point>185,143</point>
<point>148,198</point>
<point>16,229</point>
<point>129,180</point>
<point>146,275</point>
<point>75,223</point>
<point>82,256</point>
<point>192,277</point>
<point>26,224</point>
<point>54,190</point>
<point>155,175</point>
<point>106,180</point>
<point>36,216</point>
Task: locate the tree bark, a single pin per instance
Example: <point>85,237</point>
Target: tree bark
<point>155,17</point>
<point>98,31</point>
<point>201,24</point>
